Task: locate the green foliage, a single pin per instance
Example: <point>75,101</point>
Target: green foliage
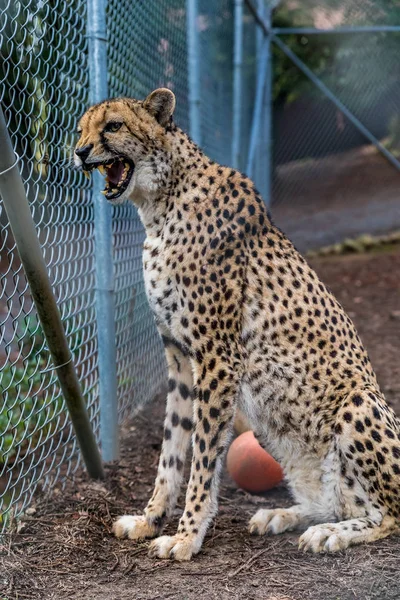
<point>315,51</point>
<point>43,77</point>
<point>24,410</point>
<point>32,406</point>
<point>393,142</point>
<point>358,67</point>
<point>24,413</point>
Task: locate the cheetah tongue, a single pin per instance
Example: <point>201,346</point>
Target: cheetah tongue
<point>115,172</point>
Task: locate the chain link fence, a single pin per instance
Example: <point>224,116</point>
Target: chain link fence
<point>324,165</point>
<point>325,178</point>
<point>146,50</point>
<point>44,86</point>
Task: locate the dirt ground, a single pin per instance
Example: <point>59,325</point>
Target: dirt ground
<point>65,548</point>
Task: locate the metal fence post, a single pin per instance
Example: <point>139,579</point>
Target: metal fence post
<point>193,70</point>
<point>25,236</point>
<point>237,84</point>
<point>262,117</point>
<point>260,34</point>
<point>105,292</point>
<point>267,111</point>
<point>262,69</point>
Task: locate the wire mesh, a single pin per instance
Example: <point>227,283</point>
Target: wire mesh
<point>215,31</point>
<point>329,181</point>
<point>44,87</point>
<point>146,50</point>
<point>331,14</point>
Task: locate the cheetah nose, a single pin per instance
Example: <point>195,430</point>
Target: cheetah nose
<point>83,152</point>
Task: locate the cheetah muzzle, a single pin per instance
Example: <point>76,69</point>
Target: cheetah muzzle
<point>118,174</point>
<point>247,326</point>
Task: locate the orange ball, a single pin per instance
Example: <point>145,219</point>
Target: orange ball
<point>253,469</point>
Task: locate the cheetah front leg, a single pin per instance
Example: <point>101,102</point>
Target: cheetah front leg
<point>214,409</point>
<point>177,430</point>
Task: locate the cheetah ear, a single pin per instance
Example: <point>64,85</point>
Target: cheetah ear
<point>160,104</point>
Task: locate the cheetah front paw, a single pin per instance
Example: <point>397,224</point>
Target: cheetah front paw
<point>178,547</point>
<point>273,521</point>
<point>324,538</point>
<point>134,528</point>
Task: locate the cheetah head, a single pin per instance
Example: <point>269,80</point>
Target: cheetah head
<point>126,140</point>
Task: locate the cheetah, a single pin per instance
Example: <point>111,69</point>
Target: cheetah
<point>246,325</point>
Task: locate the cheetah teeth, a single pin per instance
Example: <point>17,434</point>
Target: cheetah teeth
<point>125,173</point>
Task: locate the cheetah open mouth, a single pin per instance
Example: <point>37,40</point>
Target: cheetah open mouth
<point>118,176</point>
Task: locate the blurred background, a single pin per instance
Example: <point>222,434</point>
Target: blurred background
<point>302,95</point>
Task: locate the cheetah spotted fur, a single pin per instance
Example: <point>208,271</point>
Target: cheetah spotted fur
<point>248,325</point>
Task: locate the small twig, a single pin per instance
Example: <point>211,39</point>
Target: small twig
<point>115,565</point>
<point>200,573</point>
<point>49,570</point>
<point>158,567</point>
<point>214,537</point>
<point>248,562</point>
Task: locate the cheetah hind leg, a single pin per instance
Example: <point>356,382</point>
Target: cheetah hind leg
<point>277,520</point>
<point>325,537</point>
<point>332,537</point>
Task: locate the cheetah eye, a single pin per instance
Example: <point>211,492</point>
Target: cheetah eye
<point>113,126</point>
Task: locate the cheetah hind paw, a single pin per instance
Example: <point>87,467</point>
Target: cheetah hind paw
<point>273,521</point>
<point>328,537</point>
